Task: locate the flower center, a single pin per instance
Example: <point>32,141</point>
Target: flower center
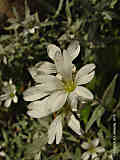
<point>12,95</point>
<point>69,86</point>
<point>92,149</point>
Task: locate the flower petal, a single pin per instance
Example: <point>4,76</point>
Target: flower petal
<point>52,50</point>
<point>85,79</point>
<point>73,49</point>
<point>34,93</point>
<point>84,93</point>
<point>55,130</point>
<point>85,74</point>
<point>8,102</point>
<point>59,133</point>
<point>95,142</point>
<point>85,155</point>
<point>15,99</point>
<point>85,145</point>
<point>4,97</point>
<point>59,62</point>
<point>100,149</point>
<point>67,66</point>
<point>45,79</point>
<point>13,89</point>
<point>94,155</point>
<point>74,124</point>
<point>73,100</point>
<point>48,105</point>
<point>42,68</point>
<point>49,84</point>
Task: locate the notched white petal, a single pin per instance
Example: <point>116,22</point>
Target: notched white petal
<point>4,97</point>
<point>15,99</point>
<point>73,100</point>
<point>48,105</point>
<point>55,131</point>
<point>100,149</point>
<point>42,68</point>
<point>85,74</point>
<point>34,93</point>
<point>67,66</point>
<point>74,124</point>
<point>43,79</point>
<point>33,113</point>
<point>85,79</point>
<point>85,145</point>
<point>73,49</point>
<point>48,84</point>
<point>85,156</point>
<point>8,102</point>
<point>52,50</point>
<point>84,93</point>
<point>95,142</point>
<point>59,62</point>
<point>94,155</point>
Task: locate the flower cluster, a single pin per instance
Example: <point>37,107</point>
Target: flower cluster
<point>59,93</point>
<point>9,95</point>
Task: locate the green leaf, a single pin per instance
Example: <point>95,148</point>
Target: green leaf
<point>77,154</point>
<point>109,92</point>
<point>98,112</point>
<point>84,113</point>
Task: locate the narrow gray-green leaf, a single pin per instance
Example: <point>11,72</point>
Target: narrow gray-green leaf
<point>109,92</point>
<point>98,112</point>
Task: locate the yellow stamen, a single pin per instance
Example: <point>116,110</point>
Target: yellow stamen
<point>69,86</point>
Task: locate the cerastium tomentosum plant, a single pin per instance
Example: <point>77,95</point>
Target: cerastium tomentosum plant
<point>58,89</point>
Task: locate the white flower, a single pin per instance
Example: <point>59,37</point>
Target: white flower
<point>92,150</point>
<point>2,153</point>
<point>9,95</point>
<point>30,30</point>
<point>56,91</point>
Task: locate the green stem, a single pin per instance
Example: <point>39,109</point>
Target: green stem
<point>59,9</point>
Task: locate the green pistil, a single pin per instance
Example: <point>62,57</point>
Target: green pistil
<point>12,95</point>
<point>69,86</point>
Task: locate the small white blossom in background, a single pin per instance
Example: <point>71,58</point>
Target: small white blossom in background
<point>59,93</point>
<point>2,153</point>
<point>93,150</point>
<point>9,95</point>
<point>30,30</point>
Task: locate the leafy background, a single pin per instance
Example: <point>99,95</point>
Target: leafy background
<point>96,25</point>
